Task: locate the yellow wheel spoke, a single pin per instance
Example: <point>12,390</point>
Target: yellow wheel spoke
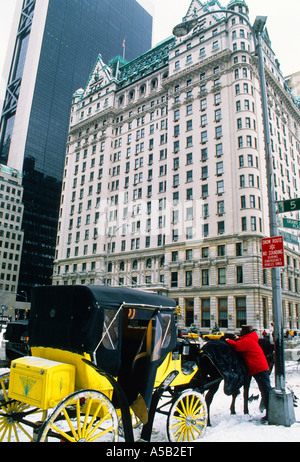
<point>87,412</point>
<point>98,425</point>
<point>9,434</point>
<point>181,429</point>
<point>192,406</point>
<point>183,407</point>
<point>94,418</point>
<point>75,435</point>
<point>78,418</point>
<point>63,434</point>
<point>197,406</point>
<point>15,433</point>
<point>4,433</point>
<point>180,412</point>
<point>21,427</point>
<point>104,432</point>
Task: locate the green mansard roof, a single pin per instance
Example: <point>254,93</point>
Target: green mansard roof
<point>154,59</point>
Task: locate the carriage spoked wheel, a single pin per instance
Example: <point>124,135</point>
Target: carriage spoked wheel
<point>84,416</point>
<point>14,415</point>
<point>187,418</point>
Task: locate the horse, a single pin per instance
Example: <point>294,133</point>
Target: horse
<point>218,361</point>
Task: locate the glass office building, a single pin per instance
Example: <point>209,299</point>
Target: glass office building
<point>56,44</point>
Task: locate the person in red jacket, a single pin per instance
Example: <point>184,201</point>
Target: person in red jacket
<point>247,345</point>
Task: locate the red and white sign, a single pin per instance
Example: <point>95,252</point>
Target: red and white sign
<point>272,252</point>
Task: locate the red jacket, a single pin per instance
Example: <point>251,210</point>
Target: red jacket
<point>251,352</point>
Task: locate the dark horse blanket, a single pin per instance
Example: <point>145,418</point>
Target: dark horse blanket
<point>229,364</point>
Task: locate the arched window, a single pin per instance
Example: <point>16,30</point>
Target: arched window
<point>142,90</point>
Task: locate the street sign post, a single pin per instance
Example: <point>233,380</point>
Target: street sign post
<point>273,252</point>
<point>288,206</point>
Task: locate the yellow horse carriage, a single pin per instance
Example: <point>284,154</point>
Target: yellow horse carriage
<point>102,359</point>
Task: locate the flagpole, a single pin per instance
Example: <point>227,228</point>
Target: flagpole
<point>124,49</point>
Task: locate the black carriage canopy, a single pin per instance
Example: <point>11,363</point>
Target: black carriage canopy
<point>109,323</point>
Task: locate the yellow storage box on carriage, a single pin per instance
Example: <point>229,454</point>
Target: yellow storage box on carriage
<point>40,382</point>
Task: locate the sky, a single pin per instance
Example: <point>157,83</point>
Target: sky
<point>282,25</point>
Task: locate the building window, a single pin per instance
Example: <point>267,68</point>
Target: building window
<point>205,277</point>
<point>205,230</point>
<point>205,252</point>
<point>204,190</point>
<point>174,256</point>
<point>220,187</point>
<point>175,235</point>
<point>222,312</point>
<point>188,278</point>
<point>174,279</point>
<point>218,115</point>
<point>219,132</point>
<point>217,99</point>
<point>204,154</point>
<point>189,311</point>
<point>219,168</point>
<point>148,263</point>
<point>221,207</point>
<point>221,276</point>
<point>204,137</point>
<point>204,172</point>
<point>221,250</point>
<point>189,194</point>
<point>189,233</point>
<point>203,120</point>
<point>189,176</point>
<point>189,142</point>
<point>189,254</point>
<point>189,125</point>
<point>239,249</point>
<point>203,104</point>
<point>189,109</point>
<point>221,227</point>
<point>244,224</point>
<point>241,312</point>
<point>219,150</point>
<point>239,275</point>
<point>205,312</point>
<point>205,210</point>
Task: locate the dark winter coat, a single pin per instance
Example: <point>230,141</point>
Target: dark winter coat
<point>251,352</point>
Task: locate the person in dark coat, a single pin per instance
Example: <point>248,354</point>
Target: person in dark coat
<point>247,345</point>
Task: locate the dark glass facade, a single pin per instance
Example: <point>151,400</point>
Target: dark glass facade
<point>76,31</point>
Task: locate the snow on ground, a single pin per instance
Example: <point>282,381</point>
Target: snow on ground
<point>240,427</point>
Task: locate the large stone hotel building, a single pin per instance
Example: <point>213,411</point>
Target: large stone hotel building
<point>165,181</point>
